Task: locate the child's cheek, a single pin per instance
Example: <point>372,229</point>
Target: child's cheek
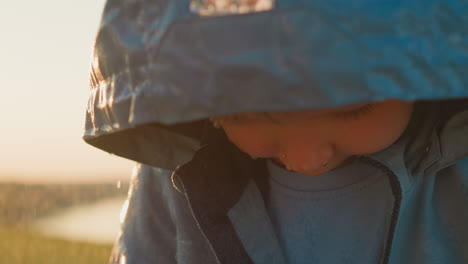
<point>377,131</point>
<point>258,141</point>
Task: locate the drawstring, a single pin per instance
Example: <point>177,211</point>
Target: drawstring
<point>397,195</point>
<point>176,181</point>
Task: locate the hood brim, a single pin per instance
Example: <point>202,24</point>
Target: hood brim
<point>177,68</point>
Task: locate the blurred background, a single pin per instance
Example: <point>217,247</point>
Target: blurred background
<point>60,199</point>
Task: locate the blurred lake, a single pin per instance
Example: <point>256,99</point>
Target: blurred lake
<point>98,222</point>
<point>75,212</point>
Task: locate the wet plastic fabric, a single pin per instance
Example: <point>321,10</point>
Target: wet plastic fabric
<point>160,70</point>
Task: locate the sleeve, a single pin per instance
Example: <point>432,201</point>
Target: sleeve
<point>148,233</point>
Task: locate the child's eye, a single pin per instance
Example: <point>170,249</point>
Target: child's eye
<point>240,119</point>
<point>355,113</point>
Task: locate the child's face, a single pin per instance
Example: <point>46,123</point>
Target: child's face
<point>317,141</point>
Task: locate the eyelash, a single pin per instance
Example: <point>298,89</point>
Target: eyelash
<point>355,114</point>
<point>243,118</point>
<point>352,114</point>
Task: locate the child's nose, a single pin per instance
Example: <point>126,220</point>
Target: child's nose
<point>304,157</point>
<point>325,154</point>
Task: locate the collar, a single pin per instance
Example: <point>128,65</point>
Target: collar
<point>213,182</point>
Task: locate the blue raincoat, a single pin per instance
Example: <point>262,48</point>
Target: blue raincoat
<point>161,68</point>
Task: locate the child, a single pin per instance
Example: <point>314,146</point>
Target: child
<point>308,132</point>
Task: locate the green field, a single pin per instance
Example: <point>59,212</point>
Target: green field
<point>21,204</point>
<point>21,247</point>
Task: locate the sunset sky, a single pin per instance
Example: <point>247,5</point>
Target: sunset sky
<point>45,55</point>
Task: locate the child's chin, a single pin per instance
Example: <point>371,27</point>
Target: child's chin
<point>322,170</point>
<point>313,172</point>
<point>316,172</point>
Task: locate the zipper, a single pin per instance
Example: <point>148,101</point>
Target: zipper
<point>397,198</point>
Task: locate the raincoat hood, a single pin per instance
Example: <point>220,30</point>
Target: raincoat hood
<point>161,69</point>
